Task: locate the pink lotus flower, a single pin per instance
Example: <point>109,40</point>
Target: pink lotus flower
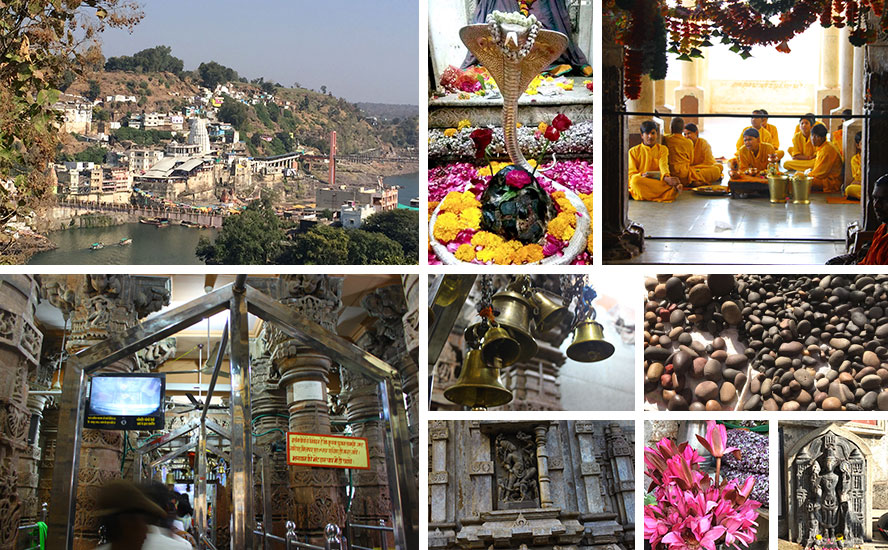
<point>716,441</point>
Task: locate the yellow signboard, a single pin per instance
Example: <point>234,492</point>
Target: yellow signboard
<point>327,451</point>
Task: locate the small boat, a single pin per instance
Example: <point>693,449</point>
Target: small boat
<point>158,222</point>
<point>96,246</point>
<point>187,223</point>
<point>125,241</point>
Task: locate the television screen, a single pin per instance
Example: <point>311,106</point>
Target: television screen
<point>126,402</point>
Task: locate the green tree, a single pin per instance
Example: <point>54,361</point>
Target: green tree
<point>366,248</point>
<point>233,112</point>
<point>212,74</point>
<point>100,114</point>
<point>252,237</point>
<point>94,153</point>
<point>401,226</point>
<point>321,245</point>
<point>151,60</point>
<point>40,43</point>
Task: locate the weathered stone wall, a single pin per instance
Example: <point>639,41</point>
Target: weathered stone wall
<point>531,484</point>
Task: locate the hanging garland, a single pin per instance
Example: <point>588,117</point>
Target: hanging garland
<point>643,36</point>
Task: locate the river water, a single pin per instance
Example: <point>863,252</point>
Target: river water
<point>153,245</point>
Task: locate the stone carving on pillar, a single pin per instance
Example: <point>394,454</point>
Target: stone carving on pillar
<point>316,495</point>
<point>157,354</point>
<point>20,346</point>
<point>516,472</point>
<point>410,320</point>
<point>829,485</point>
<point>99,306</point>
<point>621,238</point>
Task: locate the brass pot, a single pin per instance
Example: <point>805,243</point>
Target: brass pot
<point>801,189</point>
<point>777,187</point>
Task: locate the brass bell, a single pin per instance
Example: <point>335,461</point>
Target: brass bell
<point>515,313</point>
<point>589,344</point>
<point>478,386</point>
<point>499,349</point>
<point>551,315</point>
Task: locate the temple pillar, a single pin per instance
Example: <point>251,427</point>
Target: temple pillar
<point>48,437</point>
<point>621,238</point>
<point>857,91</point>
<point>644,104</point>
<point>317,495</point>
<point>846,76</point>
<point>29,462</point>
<point>660,101</point>
<point>828,94</point>
<point>873,161</point>
<point>689,95</point>
<point>270,421</point>
<point>620,454</point>
<point>543,466</point>
<point>20,345</point>
<point>102,305</point>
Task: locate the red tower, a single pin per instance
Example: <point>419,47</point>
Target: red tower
<point>333,158</point>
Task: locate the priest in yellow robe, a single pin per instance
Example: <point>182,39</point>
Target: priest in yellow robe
<point>757,123</point>
<point>704,169</point>
<point>838,136</point>
<point>852,189</point>
<point>775,139</point>
<point>754,153</point>
<point>827,171</point>
<point>802,150</point>
<point>645,158</point>
<point>681,149</point>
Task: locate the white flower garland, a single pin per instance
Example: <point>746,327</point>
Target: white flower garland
<point>495,21</point>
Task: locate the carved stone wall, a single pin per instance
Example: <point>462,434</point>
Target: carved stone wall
<point>317,496</point>
<point>531,484</point>
<point>20,346</point>
<point>100,306</point>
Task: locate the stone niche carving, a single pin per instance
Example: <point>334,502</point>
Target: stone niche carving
<point>829,470</point>
<point>515,468</point>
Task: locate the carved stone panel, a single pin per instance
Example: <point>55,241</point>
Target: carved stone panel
<point>829,491</point>
<point>515,468</point>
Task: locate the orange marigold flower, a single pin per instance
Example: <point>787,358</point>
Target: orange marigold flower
<point>447,227</point>
<point>432,206</point>
<point>486,239</point>
<point>450,132</point>
<point>562,226</point>
<point>527,254</point>
<point>471,217</point>
<point>464,123</point>
<point>542,127</point>
<point>589,243</point>
<point>465,253</point>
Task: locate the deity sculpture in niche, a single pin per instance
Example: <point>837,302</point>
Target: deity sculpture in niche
<point>830,483</point>
<point>516,471</point>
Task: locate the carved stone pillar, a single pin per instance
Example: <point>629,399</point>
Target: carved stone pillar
<point>590,470</point>
<point>543,466</point>
<point>621,238</point>
<point>48,437</point>
<point>534,383</point>
<point>269,407</point>
<point>102,305</point>
<point>874,163</point>
<point>20,344</point>
<point>619,451</point>
<point>317,495</point>
<point>29,459</point>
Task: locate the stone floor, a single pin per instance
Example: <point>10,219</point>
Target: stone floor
<point>697,229</point>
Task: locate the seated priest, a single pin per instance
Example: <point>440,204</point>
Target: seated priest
<point>775,139</point>
<point>758,123</point>
<point>681,150</point>
<point>802,150</point>
<point>852,188</point>
<point>827,171</point>
<point>649,176</point>
<point>754,153</point>
<point>878,250</point>
<point>704,169</point>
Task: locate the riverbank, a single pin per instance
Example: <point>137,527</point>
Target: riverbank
<point>24,245</point>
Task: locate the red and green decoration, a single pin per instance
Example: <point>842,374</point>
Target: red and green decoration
<point>642,28</point>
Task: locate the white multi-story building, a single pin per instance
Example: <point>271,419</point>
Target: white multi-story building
<point>353,215</point>
<point>141,160</point>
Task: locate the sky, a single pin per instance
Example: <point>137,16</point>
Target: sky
<point>362,51</point>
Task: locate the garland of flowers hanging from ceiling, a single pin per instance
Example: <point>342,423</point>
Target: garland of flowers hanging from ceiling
<point>642,27</point>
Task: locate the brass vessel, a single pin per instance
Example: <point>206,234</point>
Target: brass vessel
<point>777,187</point>
<point>801,189</point>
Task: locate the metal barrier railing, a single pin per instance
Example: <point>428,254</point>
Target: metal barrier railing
<point>333,538</point>
<point>383,533</point>
<point>32,526</point>
<point>206,540</point>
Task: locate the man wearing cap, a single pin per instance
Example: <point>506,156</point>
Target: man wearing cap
<point>704,169</point>
<point>827,172</point>
<point>126,514</point>
<point>754,153</point>
<point>878,250</point>
<point>645,159</point>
